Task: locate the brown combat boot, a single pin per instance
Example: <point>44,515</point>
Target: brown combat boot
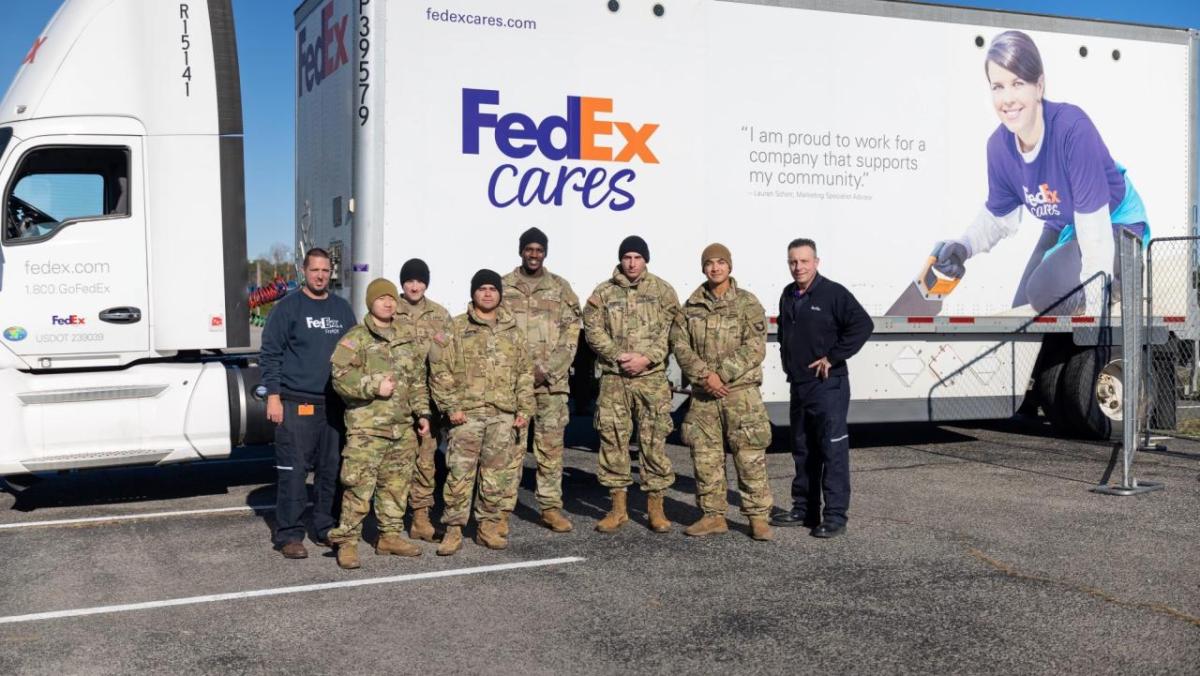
<point>760,528</point>
<point>654,511</point>
<point>487,534</point>
<point>347,556</point>
<point>555,521</point>
<point>709,524</point>
<point>451,541</point>
<point>617,516</point>
<point>502,525</point>
<point>422,527</point>
<point>393,543</point>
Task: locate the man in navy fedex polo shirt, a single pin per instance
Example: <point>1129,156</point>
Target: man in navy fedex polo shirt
<point>821,325</point>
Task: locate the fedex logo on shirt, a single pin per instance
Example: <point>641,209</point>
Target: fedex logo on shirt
<point>586,132</point>
<point>1044,202</point>
<point>326,324</point>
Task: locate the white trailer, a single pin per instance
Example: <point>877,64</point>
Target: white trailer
<point>123,252</point>
<point>443,130</point>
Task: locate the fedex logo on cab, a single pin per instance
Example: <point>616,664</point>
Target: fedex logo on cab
<point>584,133</point>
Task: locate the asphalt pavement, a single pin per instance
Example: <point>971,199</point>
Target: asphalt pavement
<point>974,548</point>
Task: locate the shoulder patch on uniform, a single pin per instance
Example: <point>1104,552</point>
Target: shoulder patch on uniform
<point>595,301</point>
<point>440,338</point>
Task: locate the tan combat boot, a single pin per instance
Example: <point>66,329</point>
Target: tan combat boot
<point>422,527</point>
<point>394,543</point>
<point>654,511</point>
<point>347,556</point>
<point>502,525</point>
<point>487,534</point>
<point>617,516</point>
<point>709,524</point>
<point>451,541</point>
<point>760,529</point>
<point>555,521</point>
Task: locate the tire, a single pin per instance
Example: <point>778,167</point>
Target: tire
<point>1077,392</point>
<point>1163,385</point>
<point>1048,384</point>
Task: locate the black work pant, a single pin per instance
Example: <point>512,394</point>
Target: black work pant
<point>303,443</point>
<point>821,448</point>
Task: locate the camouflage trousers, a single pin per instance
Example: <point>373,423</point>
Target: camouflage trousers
<point>549,423</point>
<point>741,420</point>
<point>484,445</point>
<point>623,400</point>
<point>420,496</point>
<point>380,468</point>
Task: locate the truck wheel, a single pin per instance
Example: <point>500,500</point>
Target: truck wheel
<point>1078,392</point>
<point>1048,385</point>
<point>19,483</point>
<point>1163,385</point>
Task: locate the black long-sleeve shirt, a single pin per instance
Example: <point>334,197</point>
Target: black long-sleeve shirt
<point>299,338</point>
<point>826,321</point>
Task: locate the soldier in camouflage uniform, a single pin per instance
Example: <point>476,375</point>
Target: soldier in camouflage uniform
<point>547,312</point>
<point>379,370</point>
<point>482,379</point>
<point>719,339</point>
<point>627,321</point>
<point>429,320</point>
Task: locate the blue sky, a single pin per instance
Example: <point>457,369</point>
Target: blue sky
<point>265,47</point>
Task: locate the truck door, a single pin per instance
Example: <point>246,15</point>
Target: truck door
<point>73,288</point>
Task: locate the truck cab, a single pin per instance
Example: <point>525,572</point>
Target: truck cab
<point>122,249</point>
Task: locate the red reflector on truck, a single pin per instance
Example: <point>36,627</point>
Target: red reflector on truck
<point>961,320</point>
<point>1045,320</point>
<point>773,320</point>
<point>920,320</point>
<point>1175,320</point>
<point>1083,320</point>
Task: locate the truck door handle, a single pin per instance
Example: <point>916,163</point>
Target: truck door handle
<point>121,315</point>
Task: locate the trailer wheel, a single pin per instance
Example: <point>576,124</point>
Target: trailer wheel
<point>1048,385</point>
<point>1078,392</point>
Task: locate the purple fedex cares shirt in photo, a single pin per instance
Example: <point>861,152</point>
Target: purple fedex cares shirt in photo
<point>1072,172</point>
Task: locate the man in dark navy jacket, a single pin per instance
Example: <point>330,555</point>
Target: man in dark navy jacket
<point>821,325</point>
<point>301,333</point>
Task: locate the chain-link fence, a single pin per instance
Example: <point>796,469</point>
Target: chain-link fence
<point>1171,377</point>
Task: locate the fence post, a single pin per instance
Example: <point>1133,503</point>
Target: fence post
<point>1135,341</point>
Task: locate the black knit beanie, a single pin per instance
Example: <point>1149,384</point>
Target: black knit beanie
<point>486,276</point>
<point>414,268</point>
<point>533,236</point>
<point>636,245</point>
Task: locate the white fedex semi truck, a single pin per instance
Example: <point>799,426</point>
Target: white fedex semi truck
<point>123,252</point>
<point>442,130</point>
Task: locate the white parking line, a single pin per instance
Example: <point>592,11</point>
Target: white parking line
<point>257,593</point>
<point>132,517</point>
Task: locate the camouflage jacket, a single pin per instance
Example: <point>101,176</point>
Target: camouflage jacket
<point>622,316</point>
<point>547,312</point>
<point>726,335</point>
<point>362,359</point>
<point>480,364</point>
<point>428,319</point>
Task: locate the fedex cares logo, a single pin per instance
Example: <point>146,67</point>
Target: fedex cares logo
<point>586,132</point>
<point>1044,202</point>
<point>322,57</point>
